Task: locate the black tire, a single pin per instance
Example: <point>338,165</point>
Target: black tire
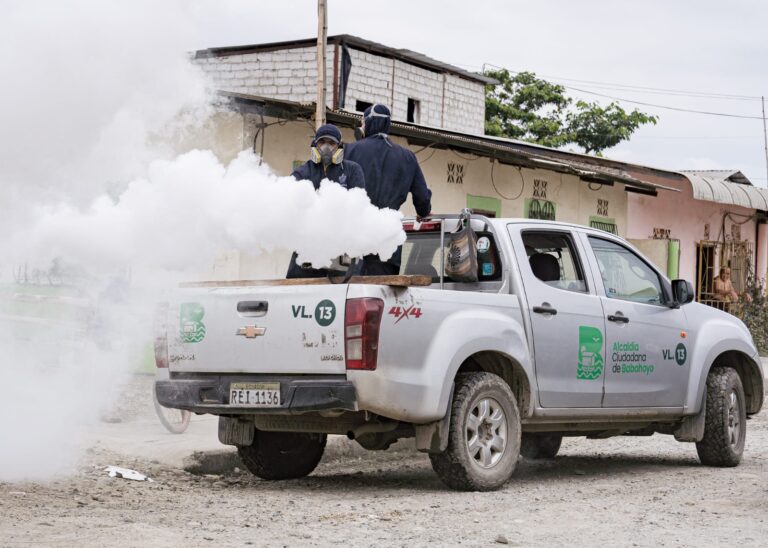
<point>725,426</point>
<point>480,469</point>
<point>282,455</point>
<point>540,446</point>
<point>175,421</point>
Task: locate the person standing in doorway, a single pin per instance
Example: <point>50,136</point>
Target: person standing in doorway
<point>391,172</point>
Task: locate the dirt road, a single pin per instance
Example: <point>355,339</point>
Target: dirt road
<point>622,491</point>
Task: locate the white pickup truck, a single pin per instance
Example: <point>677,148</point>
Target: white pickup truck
<point>569,331</point>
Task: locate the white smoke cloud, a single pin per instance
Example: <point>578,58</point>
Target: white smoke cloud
<point>188,209</point>
<point>95,96</point>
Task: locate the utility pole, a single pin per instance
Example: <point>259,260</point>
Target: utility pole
<point>322,34</point>
<point>765,140</point>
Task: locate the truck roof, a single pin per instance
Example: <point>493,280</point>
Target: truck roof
<point>433,223</point>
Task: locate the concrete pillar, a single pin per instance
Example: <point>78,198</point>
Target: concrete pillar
<point>762,250</point>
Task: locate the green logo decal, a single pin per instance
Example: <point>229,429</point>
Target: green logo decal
<point>191,326</point>
<point>590,353</point>
<point>325,313</point>
<point>681,354</point>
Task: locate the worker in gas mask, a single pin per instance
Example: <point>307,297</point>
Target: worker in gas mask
<point>391,172</point>
<point>326,161</point>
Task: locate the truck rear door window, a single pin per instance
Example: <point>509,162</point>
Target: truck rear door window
<point>421,255</point>
<point>553,259</point>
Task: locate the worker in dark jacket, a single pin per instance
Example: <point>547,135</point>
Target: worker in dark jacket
<point>326,162</point>
<point>391,172</point>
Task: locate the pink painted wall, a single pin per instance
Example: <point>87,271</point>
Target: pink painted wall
<point>686,218</point>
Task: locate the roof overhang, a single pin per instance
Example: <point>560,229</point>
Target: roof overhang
<point>714,187</point>
<point>507,152</point>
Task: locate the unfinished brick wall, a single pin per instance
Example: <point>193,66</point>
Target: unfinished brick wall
<point>445,100</point>
<point>289,74</point>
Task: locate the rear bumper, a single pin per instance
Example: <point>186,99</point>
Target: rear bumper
<point>210,394</point>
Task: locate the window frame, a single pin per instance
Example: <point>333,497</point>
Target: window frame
<point>494,285</point>
<point>666,292</point>
<point>575,251</point>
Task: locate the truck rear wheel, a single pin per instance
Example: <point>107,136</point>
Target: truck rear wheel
<point>540,446</point>
<point>725,426</point>
<point>484,436</point>
<point>282,455</point>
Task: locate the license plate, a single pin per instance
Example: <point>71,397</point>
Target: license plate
<point>254,394</point>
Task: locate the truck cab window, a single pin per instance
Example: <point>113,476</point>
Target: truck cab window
<point>625,275</point>
<point>553,260</point>
<point>421,255</point>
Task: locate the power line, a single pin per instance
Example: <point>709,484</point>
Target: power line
<point>698,137</point>
<point>642,89</point>
<point>667,107</point>
<point>658,91</point>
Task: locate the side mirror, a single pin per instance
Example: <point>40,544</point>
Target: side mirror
<point>682,291</point>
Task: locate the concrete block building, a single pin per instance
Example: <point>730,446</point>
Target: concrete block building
<point>417,88</point>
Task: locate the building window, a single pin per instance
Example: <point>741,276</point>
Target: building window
<point>360,106</point>
<point>414,111</point>
<point>539,209</point>
<point>604,223</point>
<point>483,205</point>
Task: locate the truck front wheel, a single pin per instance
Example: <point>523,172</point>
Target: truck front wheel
<point>282,455</point>
<point>725,426</point>
<point>484,436</point>
<point>540,446</point>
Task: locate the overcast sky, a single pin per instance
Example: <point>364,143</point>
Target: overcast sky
<point>703,46</point>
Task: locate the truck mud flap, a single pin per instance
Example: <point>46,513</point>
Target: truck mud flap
<point>433,437</point>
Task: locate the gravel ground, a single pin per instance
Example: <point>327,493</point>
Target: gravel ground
<point>622,491</point>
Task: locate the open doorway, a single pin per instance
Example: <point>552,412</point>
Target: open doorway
<point>705,271</point>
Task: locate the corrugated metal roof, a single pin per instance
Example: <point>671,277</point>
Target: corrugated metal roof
<point>405,55</point>
<point>727,187</point>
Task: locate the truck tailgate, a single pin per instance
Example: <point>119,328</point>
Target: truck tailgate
<point>272,329</point>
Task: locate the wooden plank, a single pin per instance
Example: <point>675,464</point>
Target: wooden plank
<point>394,281</point>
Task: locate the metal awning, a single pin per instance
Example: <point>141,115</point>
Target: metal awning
<point>727,187</point>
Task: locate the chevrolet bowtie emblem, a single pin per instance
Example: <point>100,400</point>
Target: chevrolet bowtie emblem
<point>251,331</point>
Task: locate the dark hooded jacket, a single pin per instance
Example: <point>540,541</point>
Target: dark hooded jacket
<point>391,171</point>
<point>347,174</point>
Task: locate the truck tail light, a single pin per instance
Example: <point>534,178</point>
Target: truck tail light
<point>361,332</point>
<point>161,336</point>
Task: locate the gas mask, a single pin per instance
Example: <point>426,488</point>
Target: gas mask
<point>326,153</point>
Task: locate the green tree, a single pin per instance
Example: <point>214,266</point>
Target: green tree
<point>531,109</point>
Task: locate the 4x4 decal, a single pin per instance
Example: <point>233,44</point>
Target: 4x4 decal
<point>404,313</point>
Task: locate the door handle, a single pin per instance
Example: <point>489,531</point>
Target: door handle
<point>619,318</point>
<point>252,309</point>
<point>544,309</point>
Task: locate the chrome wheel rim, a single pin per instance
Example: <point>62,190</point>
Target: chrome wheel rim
<point>734,418</point>
<point>486,433</point>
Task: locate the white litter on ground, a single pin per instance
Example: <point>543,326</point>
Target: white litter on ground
<point>126,473</point>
